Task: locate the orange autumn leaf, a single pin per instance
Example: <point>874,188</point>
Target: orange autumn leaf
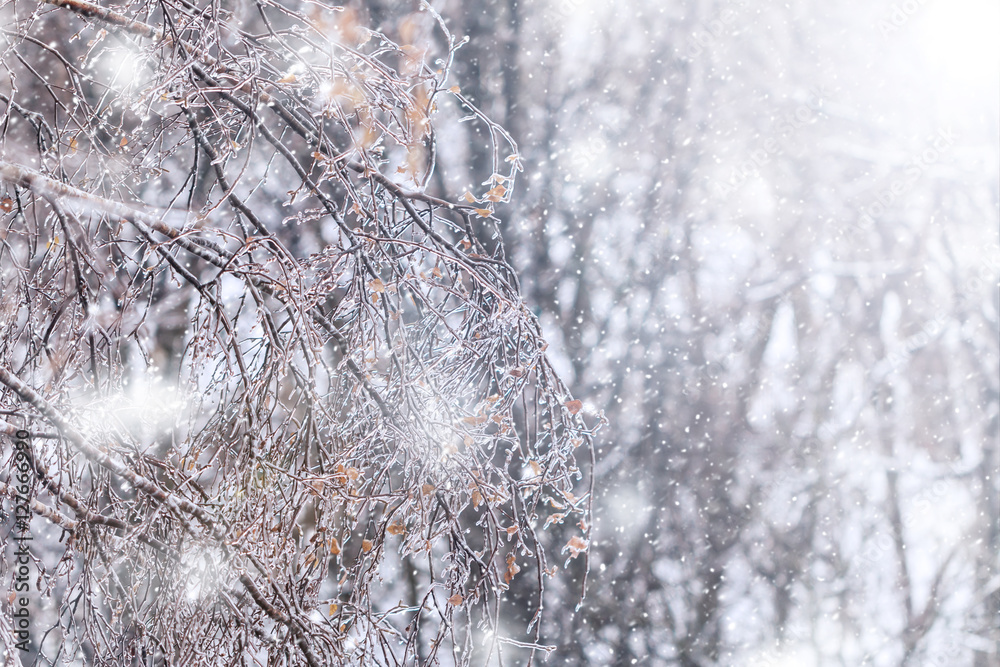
<point>496,194</point>
<point>576,546</point>
<point>349,28</point>
<point>395,528</point>
<point>334,546</point>
<point>484,212</point>
<point>574,406</point>
<point>512,568</point>
<point>377,285</point>
<point>413,58</point>
<point>456,600</point>
<point>366,545</point>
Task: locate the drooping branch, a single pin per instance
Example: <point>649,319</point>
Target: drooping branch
<point>176,503</point>
<point>357,366</point>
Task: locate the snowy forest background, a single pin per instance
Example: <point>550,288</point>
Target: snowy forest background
<point>760,241</point>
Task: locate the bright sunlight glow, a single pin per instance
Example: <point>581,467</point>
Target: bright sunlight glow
<point>960,38</point>
<point>148,407</point>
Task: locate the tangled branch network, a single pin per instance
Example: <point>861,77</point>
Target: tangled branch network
<point>287,407</point>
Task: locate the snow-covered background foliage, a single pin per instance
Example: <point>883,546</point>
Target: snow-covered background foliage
<point>763,238</point>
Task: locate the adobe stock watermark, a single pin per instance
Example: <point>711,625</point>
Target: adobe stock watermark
<point>899,15</point>
<point>913,170</point>
<point>986,272</point>
<point>707,32</point>
<point>883,542</point>
<point>563,9</point>
<point>778,654</point>
<point>21,535</point>
<point>785,127</point>
<point>945,655</point>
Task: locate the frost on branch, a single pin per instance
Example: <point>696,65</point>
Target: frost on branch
<point>297,409</point>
